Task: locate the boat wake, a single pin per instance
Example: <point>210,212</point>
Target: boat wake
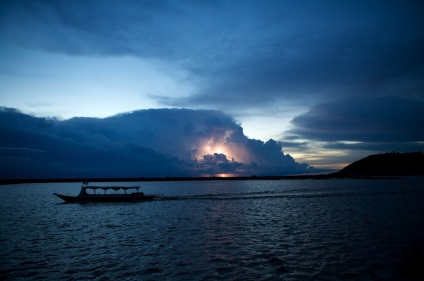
<point>305,193</point>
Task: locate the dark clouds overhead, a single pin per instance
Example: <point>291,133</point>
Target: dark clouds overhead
<point>147,143</point>
<point>250,52</point>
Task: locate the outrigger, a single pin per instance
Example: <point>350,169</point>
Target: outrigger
<point>84,197</point>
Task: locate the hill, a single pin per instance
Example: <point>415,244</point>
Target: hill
<point>387,164</point>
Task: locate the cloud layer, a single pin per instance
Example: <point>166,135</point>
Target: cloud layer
<point>371,120</point>
<point>350,129</point>
<point>248,53</point>
<point>146,143</point>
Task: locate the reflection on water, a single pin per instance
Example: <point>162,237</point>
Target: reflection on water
<point>238,230</point>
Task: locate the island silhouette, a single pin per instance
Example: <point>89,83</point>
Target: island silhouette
<point>386,164</point>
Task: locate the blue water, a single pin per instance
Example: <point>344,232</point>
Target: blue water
<point>215,230</point>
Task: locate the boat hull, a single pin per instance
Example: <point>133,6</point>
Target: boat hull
<point>106,198</point>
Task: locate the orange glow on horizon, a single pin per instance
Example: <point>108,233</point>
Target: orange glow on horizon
<point>225,175</point>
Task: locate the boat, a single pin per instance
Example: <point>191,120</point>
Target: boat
<point>86,197</point>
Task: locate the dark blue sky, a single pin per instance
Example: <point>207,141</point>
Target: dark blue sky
<point>332,81</point>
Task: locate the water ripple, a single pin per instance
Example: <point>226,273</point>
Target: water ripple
<point>277,230</point>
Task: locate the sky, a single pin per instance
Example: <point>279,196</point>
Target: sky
<point>328,81</point>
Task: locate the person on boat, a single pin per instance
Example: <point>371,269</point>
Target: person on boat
<point>83,191</point>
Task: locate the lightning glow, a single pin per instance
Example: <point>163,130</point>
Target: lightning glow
<point>222,144</point>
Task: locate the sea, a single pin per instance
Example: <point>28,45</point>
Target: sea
<point>334,229</point>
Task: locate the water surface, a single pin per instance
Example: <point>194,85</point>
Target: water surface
<point>215,230</point>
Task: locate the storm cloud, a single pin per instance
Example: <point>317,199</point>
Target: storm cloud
<point>145,143</point>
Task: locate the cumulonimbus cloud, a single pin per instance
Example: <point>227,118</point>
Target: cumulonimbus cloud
<point>145,143</point>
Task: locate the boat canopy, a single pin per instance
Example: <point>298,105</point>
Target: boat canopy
<point>110,187</point>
